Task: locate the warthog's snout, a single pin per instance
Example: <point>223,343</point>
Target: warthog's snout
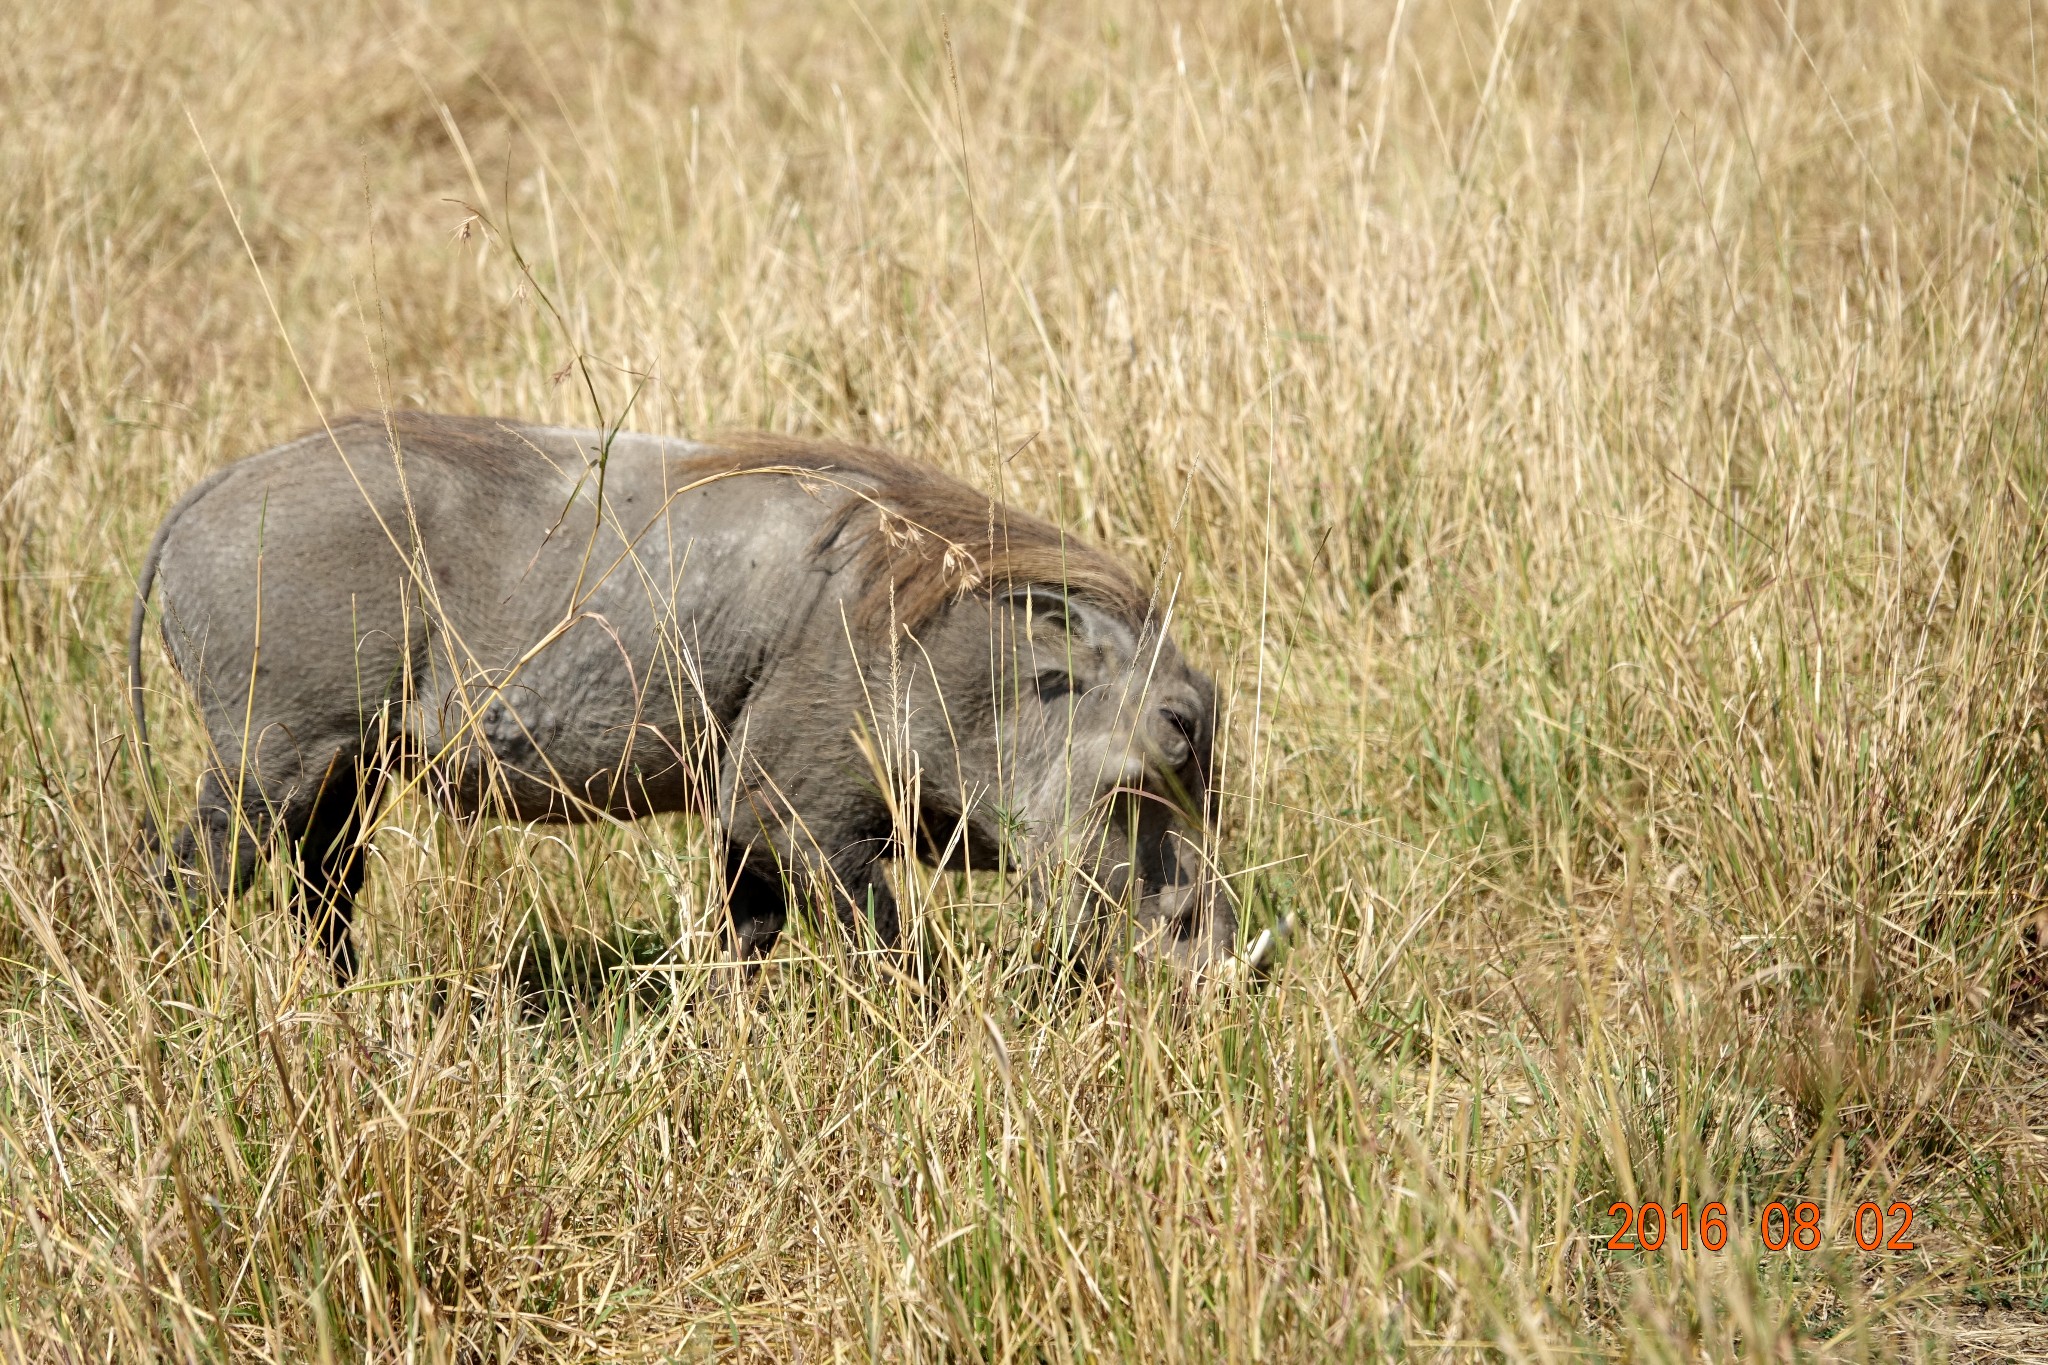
<point>1172,730</point>
<point>1161,862</point>
<point>1185,914</point>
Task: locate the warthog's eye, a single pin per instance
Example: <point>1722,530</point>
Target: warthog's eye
<point>1053,684</point>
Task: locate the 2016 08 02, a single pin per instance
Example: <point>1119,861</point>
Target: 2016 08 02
<point>1781,1226</point>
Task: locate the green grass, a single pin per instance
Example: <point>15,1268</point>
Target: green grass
<point>1599,447</point>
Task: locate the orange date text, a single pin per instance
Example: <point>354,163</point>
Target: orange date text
<point>1781,1226</point>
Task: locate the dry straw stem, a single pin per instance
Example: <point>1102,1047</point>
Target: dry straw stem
<point>1600,448</point>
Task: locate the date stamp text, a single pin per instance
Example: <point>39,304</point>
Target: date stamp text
<point>1781,1226</point>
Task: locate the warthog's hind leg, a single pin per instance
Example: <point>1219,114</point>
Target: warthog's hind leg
<point>332,858</point>
<point>216,848</point>
<point>321,816</point>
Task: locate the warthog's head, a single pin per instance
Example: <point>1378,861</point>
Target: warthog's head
<point>1084,756</point>
<point>1055,727</point>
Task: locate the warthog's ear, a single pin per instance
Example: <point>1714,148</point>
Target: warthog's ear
<point>1055,636</point>
<point>1043,608</point>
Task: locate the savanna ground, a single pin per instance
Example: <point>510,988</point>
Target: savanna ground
<point>1600,448</point>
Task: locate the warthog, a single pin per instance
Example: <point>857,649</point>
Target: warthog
<point>798,640</point>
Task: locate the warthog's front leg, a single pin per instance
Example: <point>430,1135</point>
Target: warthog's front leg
<point>761,873</point>
<point>772,854</point>
<point>860,894</point>
<point>793,825</point>
<point>758,908</point>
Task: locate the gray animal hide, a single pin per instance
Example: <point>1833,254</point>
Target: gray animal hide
<point>543,624</point>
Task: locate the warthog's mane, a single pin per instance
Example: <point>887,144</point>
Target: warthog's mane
<point>923,539</point>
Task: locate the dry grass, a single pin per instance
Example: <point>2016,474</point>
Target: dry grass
<point>1601,445</point>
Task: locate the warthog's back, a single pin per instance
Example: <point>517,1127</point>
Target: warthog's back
<point>452,578</point>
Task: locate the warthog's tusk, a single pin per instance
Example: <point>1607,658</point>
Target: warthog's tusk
<point>1256,961</point>
<point>1268,941</point>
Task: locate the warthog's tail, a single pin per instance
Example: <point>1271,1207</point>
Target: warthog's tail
<point>145,580</point>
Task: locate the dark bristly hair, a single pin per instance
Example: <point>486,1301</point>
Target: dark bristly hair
<point>923,538</point>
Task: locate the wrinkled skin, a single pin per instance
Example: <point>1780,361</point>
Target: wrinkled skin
<point>459,613</point>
